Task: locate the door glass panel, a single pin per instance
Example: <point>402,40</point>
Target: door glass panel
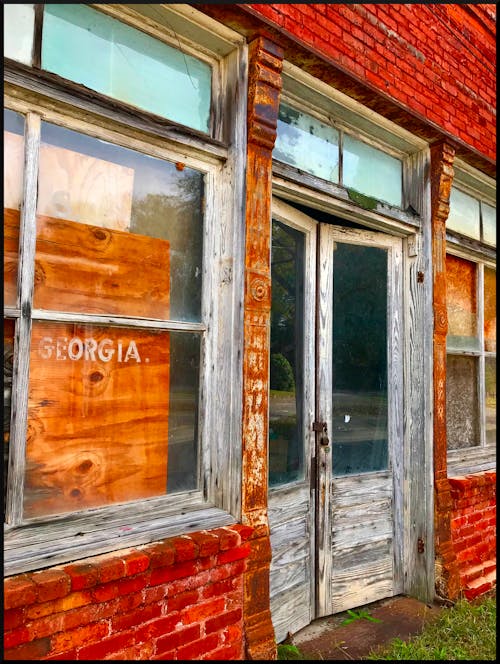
<point>359,436</point>
<point>286,427</point>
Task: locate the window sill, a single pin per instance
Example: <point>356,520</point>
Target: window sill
<point>472,460</point>
<point>38,545</point>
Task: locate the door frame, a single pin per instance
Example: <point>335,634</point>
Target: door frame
<point>327,236</point>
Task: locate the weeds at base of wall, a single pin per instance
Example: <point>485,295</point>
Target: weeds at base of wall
<point>465,631</point>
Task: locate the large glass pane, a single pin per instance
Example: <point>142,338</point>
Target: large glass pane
<point>307,143</point>
<point>491,400</point>
<point>103,54</point>
<point>489,215</point>
<point>490,310</point>
<point>118,232</point>
<point>371,171</point>
<point>462,408</point>
<point>99,413</point>
<point>13,155</point>
<point>360,424</point>
<point>286,426</point>
<point>464,214</point>
<point>18,31</point>
<point>461,302</point>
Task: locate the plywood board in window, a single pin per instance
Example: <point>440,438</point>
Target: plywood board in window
<point>97,417</point>
<point>82,188</point>
<point>85,268</point>
<point>10,255</point>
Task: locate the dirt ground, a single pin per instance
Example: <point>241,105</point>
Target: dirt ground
<point>327,639</point>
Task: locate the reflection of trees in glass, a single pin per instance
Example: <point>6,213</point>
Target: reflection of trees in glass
<point>177,216</point>
<point>287,294</point>
<point>360,312</point>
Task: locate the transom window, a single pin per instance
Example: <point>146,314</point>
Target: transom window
<point>318,148</point>
<point>94,49</point>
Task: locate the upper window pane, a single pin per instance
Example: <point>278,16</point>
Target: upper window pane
<point>103,54</point>
<point>464,214</point>
<point>19,21</point>
<point>371,171</point>
<point>118,232</point>
<point>461,300</point>
<point>489,215</point>
<point>307,143</point>
<point>13,154</point>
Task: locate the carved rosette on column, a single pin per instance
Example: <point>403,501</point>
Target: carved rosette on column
<point>265,64</point>
<point>447,578</point>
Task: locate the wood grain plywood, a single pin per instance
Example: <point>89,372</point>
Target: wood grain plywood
<point>83,188</point>
<point>86,268</point>
<point>97,418</point>
<point>10,255</point>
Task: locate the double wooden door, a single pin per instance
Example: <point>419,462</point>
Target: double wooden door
<point>335,418</point>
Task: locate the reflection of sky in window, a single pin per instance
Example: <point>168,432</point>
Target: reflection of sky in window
<point>371,171</point>
<point>306,143</point>
<point>464,214</point>
<point>83,45</point>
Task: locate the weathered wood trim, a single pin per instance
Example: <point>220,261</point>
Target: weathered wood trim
<point>265,63</point>
<point>26,275</point>
<point>447,580</point>
<point>417,465</point>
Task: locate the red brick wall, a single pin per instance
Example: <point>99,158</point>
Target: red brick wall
<point>178,599</point>
<point>436,59</point>
<point>473,528</point>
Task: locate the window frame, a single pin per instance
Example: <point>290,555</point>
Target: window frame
<point>310,95</point>
<point>41,542</point>
<point>483,255</point>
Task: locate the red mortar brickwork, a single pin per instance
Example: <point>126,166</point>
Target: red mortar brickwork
<point>437,60</point>
<point>178,599</point>
<point>473,527</point>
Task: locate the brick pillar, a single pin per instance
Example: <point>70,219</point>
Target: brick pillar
<point>265,63</point>
<point>447,578</point>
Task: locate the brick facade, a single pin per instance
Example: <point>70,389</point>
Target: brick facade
<point>178,599</point>
<point>436,60</point>
<point>473,528</point>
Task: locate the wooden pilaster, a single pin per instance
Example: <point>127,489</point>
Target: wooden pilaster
<point>265,63</point>
<point>447,579</point>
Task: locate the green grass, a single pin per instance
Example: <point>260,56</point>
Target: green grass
<point>464,631</point>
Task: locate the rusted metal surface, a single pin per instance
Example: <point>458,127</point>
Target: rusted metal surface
<point>447,579</point>
<point>265,62</point>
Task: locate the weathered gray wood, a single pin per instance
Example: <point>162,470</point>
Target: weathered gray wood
<point>26,272</point>
<point>418,412</point>
<point>357,586</point>
<point>39,552</point>
<point>291,611</point>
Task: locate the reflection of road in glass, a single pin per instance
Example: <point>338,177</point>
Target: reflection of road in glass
<point>282,405</point>
<point>359,416</point>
